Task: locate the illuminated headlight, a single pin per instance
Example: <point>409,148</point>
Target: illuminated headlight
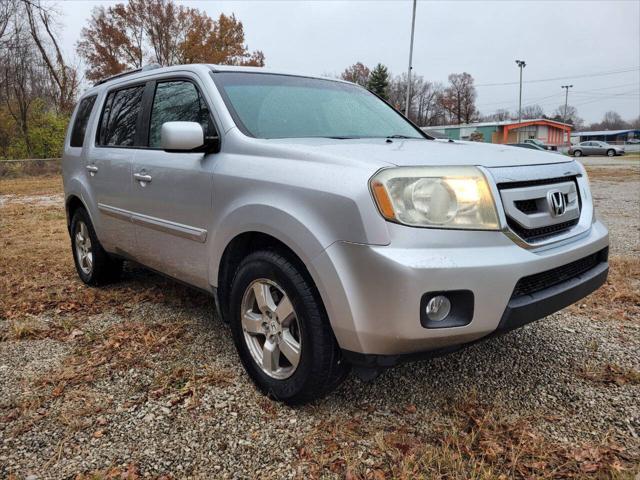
<point>445,197</point>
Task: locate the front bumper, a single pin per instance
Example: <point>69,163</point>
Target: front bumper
<point>372,293</point>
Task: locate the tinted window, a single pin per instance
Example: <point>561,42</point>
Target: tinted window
<point>119,117</point>
<point>285,106</point>
<point>177,101</point>
<point>80,123</point>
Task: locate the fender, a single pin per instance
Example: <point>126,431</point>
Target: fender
<point>281,225</point>
<point>74,187</point>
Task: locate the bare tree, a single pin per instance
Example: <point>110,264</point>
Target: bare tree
<point>64,78</point>
<point>499,115</point>
<point>23,76</point>
<point>571,116</point>
<point>459,98</point>
<point>532,111</point>
<point>612,121</point>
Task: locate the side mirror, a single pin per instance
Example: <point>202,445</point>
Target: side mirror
<point>181,137</point>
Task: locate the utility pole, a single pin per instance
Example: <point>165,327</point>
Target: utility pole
<point>521,64</point>
<point>566,101</point>
<point>413,27</point>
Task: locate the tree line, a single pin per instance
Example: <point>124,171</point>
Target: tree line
<point>436,103</point>
<point>39,84</point>
<point>431,103</point>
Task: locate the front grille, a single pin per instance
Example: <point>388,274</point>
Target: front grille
<point>527,206</point>
<point>529,217</point>
<point>540,281</point>
<point>531,183</point>
<point>537,234</point>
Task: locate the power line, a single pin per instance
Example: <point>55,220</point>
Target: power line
<point>570,77</point>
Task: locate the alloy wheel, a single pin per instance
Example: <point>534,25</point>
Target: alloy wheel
<point>271,329</point>
<point>84,252</point>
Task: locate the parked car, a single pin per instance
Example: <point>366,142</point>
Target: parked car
<point>529,145</point>
<point>539,143</point>
<point>593,147</point>
<point>332,232</point>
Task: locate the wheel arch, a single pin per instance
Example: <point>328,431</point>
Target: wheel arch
<point>231,245</point>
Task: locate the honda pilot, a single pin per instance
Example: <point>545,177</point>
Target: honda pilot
<point>332,232</point>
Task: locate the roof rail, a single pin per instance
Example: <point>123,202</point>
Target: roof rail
<point>151,66</point>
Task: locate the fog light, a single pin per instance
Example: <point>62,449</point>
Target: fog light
<point>438,308</point>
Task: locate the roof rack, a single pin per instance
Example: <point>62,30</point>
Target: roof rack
<point>151,66</point>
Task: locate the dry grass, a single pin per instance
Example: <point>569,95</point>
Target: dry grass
<point>43,185</point>
<point>610,374</point>
<point>613,174</point>
<point>28,169</point>
<point>472,441</point>
<point>37,274</point>
<point>619,297</point>
<point>156,348</point>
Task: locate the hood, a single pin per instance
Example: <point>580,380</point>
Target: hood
<point>414,152</point>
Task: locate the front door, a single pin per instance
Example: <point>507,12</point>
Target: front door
<point>173,192</point>
<point>109,168</point>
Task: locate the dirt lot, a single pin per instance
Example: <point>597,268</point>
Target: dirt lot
<point>139,380</point>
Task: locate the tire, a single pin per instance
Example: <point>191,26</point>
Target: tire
<point>611,152</point>
<point>577,153</point>
<point>93,264</point>
<point>301,325</point>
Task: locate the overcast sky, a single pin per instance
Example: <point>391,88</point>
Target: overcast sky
<point>594,44</point>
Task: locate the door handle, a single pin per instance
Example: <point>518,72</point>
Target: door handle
<point>142,177</point>
<point>92,169</point>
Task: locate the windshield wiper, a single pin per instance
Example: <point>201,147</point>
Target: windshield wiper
<point>399,136</point>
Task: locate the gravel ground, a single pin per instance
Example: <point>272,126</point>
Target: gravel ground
<point>226,429</point>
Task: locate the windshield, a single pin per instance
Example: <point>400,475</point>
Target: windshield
<point>285,106</point>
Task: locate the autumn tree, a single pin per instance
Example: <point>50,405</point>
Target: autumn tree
<point>378,82</point>
<point>357,73</point>
<point>125,36</point>
<point>459,98</point>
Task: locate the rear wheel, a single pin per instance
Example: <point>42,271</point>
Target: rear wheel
<point>611,152</point>
<point>281,330</point>
<point>93,263</point>
<point>577,153</point>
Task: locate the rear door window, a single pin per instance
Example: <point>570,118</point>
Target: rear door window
<point>81,121</point>
<point>177,101</point>
<point>120,117</point>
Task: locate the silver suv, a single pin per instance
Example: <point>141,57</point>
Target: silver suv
<point>331,231</point>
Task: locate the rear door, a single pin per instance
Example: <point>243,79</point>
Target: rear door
<point>173,192</point>
<point>588,148</point>
<point>109,166</point>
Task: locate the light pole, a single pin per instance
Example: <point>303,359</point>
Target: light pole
<point>413,27</point>
<point>521,64</point>
<point>566,101</point>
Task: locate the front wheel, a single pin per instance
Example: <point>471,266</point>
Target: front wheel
<point>281,330</point>
<point>577,153</point>
<point>611,153</point>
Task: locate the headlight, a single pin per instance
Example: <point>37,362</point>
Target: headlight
<point>444,197</point>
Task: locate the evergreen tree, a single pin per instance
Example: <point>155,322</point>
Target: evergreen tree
<point>379,81</point>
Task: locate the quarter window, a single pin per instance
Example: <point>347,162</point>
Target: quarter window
<point>120,116</point>
<point>177,101</point>
<point>81,121</point>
